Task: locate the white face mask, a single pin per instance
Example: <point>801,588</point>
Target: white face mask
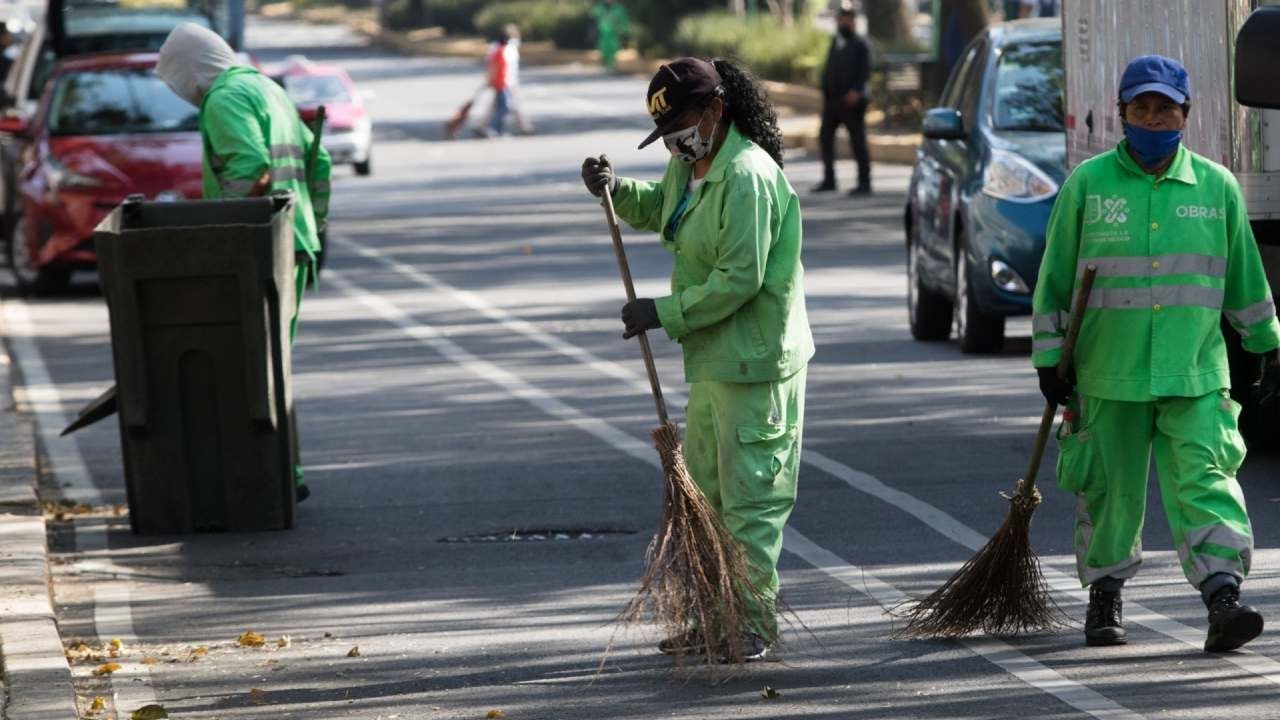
<point>688,144</point>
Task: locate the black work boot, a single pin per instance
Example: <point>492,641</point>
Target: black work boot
<point>863,190</point>
<point>1231,624</point>
<point>1104,623</point>
<point>686,643</point>
<point>827,185</point>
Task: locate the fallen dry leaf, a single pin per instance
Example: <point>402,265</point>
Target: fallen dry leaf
<point>98,705</point>
<point>251,639</point>
<point>284,642</point>
<point>769,693</point>
<point>494,714</point>
<point>115,648</point>
<point>354,652</point>
<point>258,695</point>
<point>149,712</point>
<point>106,668</point>
<point>148,660</point>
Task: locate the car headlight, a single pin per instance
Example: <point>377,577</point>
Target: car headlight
<point>60,178</point>
<point>1010,177</point>
<point>1008,279</point>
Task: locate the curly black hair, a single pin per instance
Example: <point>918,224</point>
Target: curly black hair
<point>749,107</point>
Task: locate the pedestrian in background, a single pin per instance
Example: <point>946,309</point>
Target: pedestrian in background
<point>254,142</point>
<point>1169,234</point>
<point>502,63</point>
<point>844,103</point>
<point>726,211</point>
<point>612,28</point>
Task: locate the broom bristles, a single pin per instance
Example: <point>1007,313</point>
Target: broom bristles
<point>697,576</point>
<point>999,591</point>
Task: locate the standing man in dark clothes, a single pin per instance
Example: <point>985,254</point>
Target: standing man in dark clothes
<point>844,102</point>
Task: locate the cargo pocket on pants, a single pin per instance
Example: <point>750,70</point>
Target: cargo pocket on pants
<point>766,455</point>
<point>1231,450</point>
<point>1075,456</point>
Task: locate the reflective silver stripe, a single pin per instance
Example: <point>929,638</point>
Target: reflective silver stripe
<point>236,188</point>
<point>1164,295</point>
<point>1046,344</point>
<point>1253,314</point>
<point>1199,566</point>
<point>321,188</point>
<point>1159,265</point>
<point>287,151</point>
<point>285,174</point>
<point>1124,569</point>
<point>1054,322</point>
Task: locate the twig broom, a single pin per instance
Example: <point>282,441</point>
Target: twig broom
<point>1001,590</point>
<point>696,576</point>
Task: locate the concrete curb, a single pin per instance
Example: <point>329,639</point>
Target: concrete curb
<point>37,680</point>
<point>431,42</point>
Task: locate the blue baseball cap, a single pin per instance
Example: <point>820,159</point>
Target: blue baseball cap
<point>1158,74</point>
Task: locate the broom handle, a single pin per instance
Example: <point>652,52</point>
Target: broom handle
<point>1064,367</point>
<point>625,269</point>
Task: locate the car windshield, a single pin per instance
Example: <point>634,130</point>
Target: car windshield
<point>1027,92</point>
<point>316,89</point>
<point>115,102</point>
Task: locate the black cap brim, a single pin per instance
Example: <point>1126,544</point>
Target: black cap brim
<point>657,133</point>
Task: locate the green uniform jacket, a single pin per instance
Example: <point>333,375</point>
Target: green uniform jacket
<point>1173,253</point>
<point>249,127</point>
<point>737,291</point>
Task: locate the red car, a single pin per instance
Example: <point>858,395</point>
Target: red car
<point>348,130</point>
<point>107,128</point>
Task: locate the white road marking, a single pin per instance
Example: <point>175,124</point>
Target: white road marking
<point>1078,696</point>
<point>112,605</point>
<point>934,517</point>
<point>39,393</point>
<point>1000,654</point>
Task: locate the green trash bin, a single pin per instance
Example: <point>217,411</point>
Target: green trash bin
<point>200,295</point>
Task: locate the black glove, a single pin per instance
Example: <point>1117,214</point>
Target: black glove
<point>639,315</point>
<point>1266,391</point>
<point>597,174</point>
<point>1055,389</point>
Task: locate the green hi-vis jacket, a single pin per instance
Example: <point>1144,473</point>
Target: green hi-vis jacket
<point>250,127</point>
<point>1174,253</point>
<point>737,291</point>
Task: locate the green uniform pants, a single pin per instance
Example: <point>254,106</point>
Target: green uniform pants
<point>1105,457</point>
<point>609,45</point>
<point>742,446</point>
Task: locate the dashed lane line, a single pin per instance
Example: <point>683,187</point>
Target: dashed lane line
<point>1000,654</point>
<point>937,519</point>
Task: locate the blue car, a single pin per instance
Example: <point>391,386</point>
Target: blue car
<point>985,178</point>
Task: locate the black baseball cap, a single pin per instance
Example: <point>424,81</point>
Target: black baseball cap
<point>678,86</point>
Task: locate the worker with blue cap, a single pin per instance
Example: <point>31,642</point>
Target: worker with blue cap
<point>1169,235</point>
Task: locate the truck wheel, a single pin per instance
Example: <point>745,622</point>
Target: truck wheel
<point>365,169</point>
<point>977,331</point>
<point>30,278</point>
<point>928,311</point>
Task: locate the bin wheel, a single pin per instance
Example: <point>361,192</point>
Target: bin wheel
<point>365,169</point>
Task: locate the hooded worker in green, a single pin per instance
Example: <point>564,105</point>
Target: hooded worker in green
<point>612,26</point>
<point>1169,235</point>
<point>732,221</point>
<point>254,141</point>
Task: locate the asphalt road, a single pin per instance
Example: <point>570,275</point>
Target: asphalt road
<point>461,375</point>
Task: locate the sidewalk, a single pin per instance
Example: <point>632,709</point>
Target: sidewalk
<point>799,105</point>
<point>36,679</point>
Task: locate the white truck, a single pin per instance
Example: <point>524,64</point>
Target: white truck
<point>1099,39</point>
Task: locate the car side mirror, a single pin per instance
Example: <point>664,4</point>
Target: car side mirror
<point>943,124</point>
<point>13,124</point>
<point>1257,57</point>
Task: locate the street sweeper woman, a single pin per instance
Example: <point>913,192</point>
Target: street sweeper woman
<point>1169,235</point>
<point>732,222</point>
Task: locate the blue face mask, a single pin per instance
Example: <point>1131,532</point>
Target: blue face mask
<point>1152,146</point>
